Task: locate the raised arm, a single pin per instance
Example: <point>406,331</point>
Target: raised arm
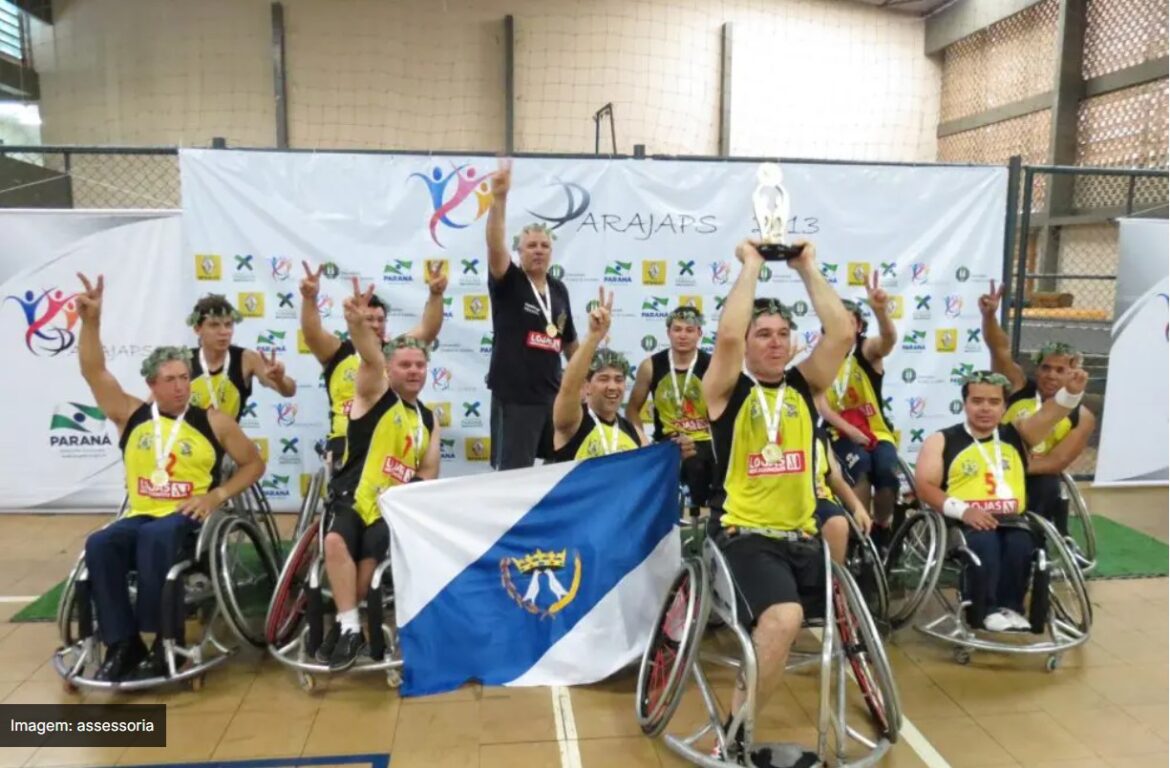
<point>499,257</point>
<point>879,301</point>
<point>107,392</point>
<point>822,365</point>
<point>370,382</point>
<point>1066,451</point>
<point>731,335</point>
<point>321,343</point>
<point>270,372</point>
<point>998,341</point>
<point>1036,427</point>
<point>638,397</point>
<point>428,327</point>
<point>567,406</point>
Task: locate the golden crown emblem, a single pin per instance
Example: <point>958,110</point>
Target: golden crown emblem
<point>540,559</point>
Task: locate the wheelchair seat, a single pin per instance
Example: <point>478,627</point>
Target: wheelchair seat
<point>849,647</point>
<point>295,624</point>
<point>224,582</point>
<point>926,560</point>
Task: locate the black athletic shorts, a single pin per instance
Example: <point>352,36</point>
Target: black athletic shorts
<point>364,542</point>
<point>769,572</point>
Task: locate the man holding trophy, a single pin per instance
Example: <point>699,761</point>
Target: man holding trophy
<point>763,422</point>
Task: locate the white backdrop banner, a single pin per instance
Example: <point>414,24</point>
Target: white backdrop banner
<point>1136,416</point>
<point>61,451</point>
<point>655,232</point>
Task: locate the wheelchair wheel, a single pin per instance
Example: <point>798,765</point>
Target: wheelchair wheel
<point>865,565</point>
<point>286,611</point>
<point>244,577</point>
<point>264,519</point>
<point>867,656</point>
<point>913,565</point>
<point>310,504</point>
<point>1082,537</point>
<point>68,608</point>
<point>672,647</point>
<point>1071,611</point>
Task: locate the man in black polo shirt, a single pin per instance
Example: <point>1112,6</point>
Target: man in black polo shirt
<point>532,325</point>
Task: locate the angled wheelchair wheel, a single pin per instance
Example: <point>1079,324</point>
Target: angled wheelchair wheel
<point>867,656</point>
<point>310,504</point>
<point>913,565</point>
<point>1082,537</point>
<point>290,600</point>
<point>673,644</point>
<point>68,608</point>
<point>865,565</point>
<point>1071,612</point>
<point>244,577</point>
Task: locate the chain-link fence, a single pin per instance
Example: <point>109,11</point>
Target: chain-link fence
<point>1064,277</point>
<point>89,177</point>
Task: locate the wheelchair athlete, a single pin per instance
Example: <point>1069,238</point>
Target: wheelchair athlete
<point>974,473</point>
<point>671,380</point>
<point>172,452</point>
<point>391,439</point>
<point>1055,363</point>
<point>852,409</point>
<point>834,496</point>
<point>762,422</point>
<point>340,359</point>
<point>595,427</point>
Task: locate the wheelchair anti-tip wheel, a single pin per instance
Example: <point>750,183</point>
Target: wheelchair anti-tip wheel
<point>672,647</point>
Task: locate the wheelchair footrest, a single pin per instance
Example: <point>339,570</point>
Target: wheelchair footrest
<point>783,755</point>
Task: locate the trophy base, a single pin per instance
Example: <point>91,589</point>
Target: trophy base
<point>778,251</point>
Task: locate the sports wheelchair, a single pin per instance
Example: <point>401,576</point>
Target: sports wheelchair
<point>849,648</point>
<point>224,583</point>
<point>1081,537</point>
<point>295,625</point>
<point>926,559</point>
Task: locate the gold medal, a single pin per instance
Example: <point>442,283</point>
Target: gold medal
<point>159,478</point>
<point>773,454</point>
<point>551,330</point>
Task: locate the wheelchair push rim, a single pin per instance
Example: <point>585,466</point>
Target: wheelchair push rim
<point>922,536</point>
<point>866,654</point>
<point>672,648</point>
<point>286,611</point>
<point>244,581</point>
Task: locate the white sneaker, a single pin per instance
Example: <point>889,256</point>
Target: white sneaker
<point>1017,621</point>
<point>997,621</point>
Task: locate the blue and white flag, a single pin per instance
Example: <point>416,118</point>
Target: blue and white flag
<point>544,576</point>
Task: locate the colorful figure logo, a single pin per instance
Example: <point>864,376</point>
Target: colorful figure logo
<point>51,318</point>
<point>445,201</point>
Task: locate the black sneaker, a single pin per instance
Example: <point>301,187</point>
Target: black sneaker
<point>121,659</point>
<point>155,663</point>
<point>327,645</point>
<point>345,653</point>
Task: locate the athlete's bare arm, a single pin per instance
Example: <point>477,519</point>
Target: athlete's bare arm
<point>371,382</point>
<point>107,392</point>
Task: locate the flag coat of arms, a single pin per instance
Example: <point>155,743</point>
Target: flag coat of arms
<point>545,576</point>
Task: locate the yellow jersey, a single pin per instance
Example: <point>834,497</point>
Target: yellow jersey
<point>593,439</point>
<point>340,383</point>
<point>193,465</point>
<point>383,448</point>
<point>1026,402</point>
<point>672,417</point>
<point>231,389</point>
<point>762,493</point>
<point>968,473</point>
<point>856,394</point>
